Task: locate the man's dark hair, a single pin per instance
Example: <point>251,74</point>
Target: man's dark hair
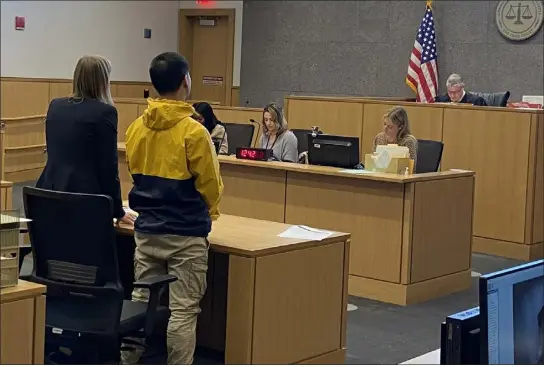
<point>167,72</point>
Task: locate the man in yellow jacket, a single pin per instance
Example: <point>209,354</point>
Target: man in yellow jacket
<point>176,193</point>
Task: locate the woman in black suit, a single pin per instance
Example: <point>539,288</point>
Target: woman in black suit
<point>81,137</point>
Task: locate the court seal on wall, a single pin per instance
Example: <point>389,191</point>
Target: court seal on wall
<point>519,20</point>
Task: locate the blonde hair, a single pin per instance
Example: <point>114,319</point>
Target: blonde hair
<point>92,79</point>
<point>276,113</point>
<point>399,117</point>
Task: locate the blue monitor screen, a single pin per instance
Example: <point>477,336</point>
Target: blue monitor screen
<point>512,304</point>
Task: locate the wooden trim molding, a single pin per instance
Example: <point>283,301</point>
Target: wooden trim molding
<point>62,80</point>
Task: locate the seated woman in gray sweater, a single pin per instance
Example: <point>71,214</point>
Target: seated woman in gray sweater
<point>276,136</point>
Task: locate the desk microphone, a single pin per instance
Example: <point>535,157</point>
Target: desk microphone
<point>258,126</point>
<point>218,148</point>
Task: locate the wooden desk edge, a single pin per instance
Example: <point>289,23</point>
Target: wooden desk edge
<point>335,172</point>
<point>356,99</point>
<point>331,171</point>
<point>22,290</point>
<point>335,238</point>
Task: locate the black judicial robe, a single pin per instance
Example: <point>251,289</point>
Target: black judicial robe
<point>467,98</point>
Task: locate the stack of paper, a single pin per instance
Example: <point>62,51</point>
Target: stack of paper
<point>7,218</point>
<point>384,154</point>
<point>305,233</point>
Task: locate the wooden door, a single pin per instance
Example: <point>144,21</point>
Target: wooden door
<point>209,62</point>
<point>207,41</point>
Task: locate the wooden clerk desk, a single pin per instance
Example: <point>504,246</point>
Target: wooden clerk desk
<point>272,300</point>
<point>504,146</point>
<point>410,235</point>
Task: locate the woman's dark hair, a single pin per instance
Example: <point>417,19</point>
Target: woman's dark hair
<point>206,111</point>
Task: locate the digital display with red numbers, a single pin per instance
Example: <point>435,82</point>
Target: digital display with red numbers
<point>253,154</point>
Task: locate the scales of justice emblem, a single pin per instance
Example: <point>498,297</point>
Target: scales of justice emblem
<point>519,20</point>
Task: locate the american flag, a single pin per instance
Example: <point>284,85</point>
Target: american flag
<point>422,71</point>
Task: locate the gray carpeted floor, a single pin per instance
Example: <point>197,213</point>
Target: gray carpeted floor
<point>380,333</point>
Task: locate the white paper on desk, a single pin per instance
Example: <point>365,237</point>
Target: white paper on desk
<point>533,99</point>
<point>305,233</point>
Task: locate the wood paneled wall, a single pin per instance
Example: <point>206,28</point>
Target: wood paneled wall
<point>29,97</point>
<point>505,147</point>
<point>2,151</point>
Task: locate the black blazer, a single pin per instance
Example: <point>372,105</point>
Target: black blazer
<point>467,98</point>
<point>81,138</point>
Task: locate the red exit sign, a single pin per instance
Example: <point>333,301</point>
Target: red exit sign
<point>203,2</point>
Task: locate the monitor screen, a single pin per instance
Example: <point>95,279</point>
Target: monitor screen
<point>512,309</point>
<point>333,150</point>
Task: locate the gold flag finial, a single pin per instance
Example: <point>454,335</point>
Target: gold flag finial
<point>430,3</point>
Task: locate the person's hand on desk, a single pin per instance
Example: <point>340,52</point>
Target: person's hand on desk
<point>129,219</point>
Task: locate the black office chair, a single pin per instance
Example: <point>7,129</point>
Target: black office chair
<point>75,256</point>
<point>238,135</point>
<point>302,137</point>
<point>429,155</point>
<point>494,99</point>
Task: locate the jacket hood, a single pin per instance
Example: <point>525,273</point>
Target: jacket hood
<point>162,114</point>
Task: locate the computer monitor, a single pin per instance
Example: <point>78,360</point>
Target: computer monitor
<point>512,313</point>
<point>333,150</point>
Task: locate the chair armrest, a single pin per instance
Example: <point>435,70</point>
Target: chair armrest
<point>155,282</point>
<point>155,285</point>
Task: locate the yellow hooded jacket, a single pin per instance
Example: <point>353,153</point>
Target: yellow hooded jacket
<point>172,160</point>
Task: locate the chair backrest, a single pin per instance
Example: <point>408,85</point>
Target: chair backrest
<point>302,137</point>
<point>72,238</point>
<point>429,155</point>
<point>494,99</point>
<point>238,135</point>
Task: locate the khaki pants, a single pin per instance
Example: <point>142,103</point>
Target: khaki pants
<point>187,259</point>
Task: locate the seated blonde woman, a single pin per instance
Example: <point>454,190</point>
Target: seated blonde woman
<point>276,135</point>
<point>396,130</point>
